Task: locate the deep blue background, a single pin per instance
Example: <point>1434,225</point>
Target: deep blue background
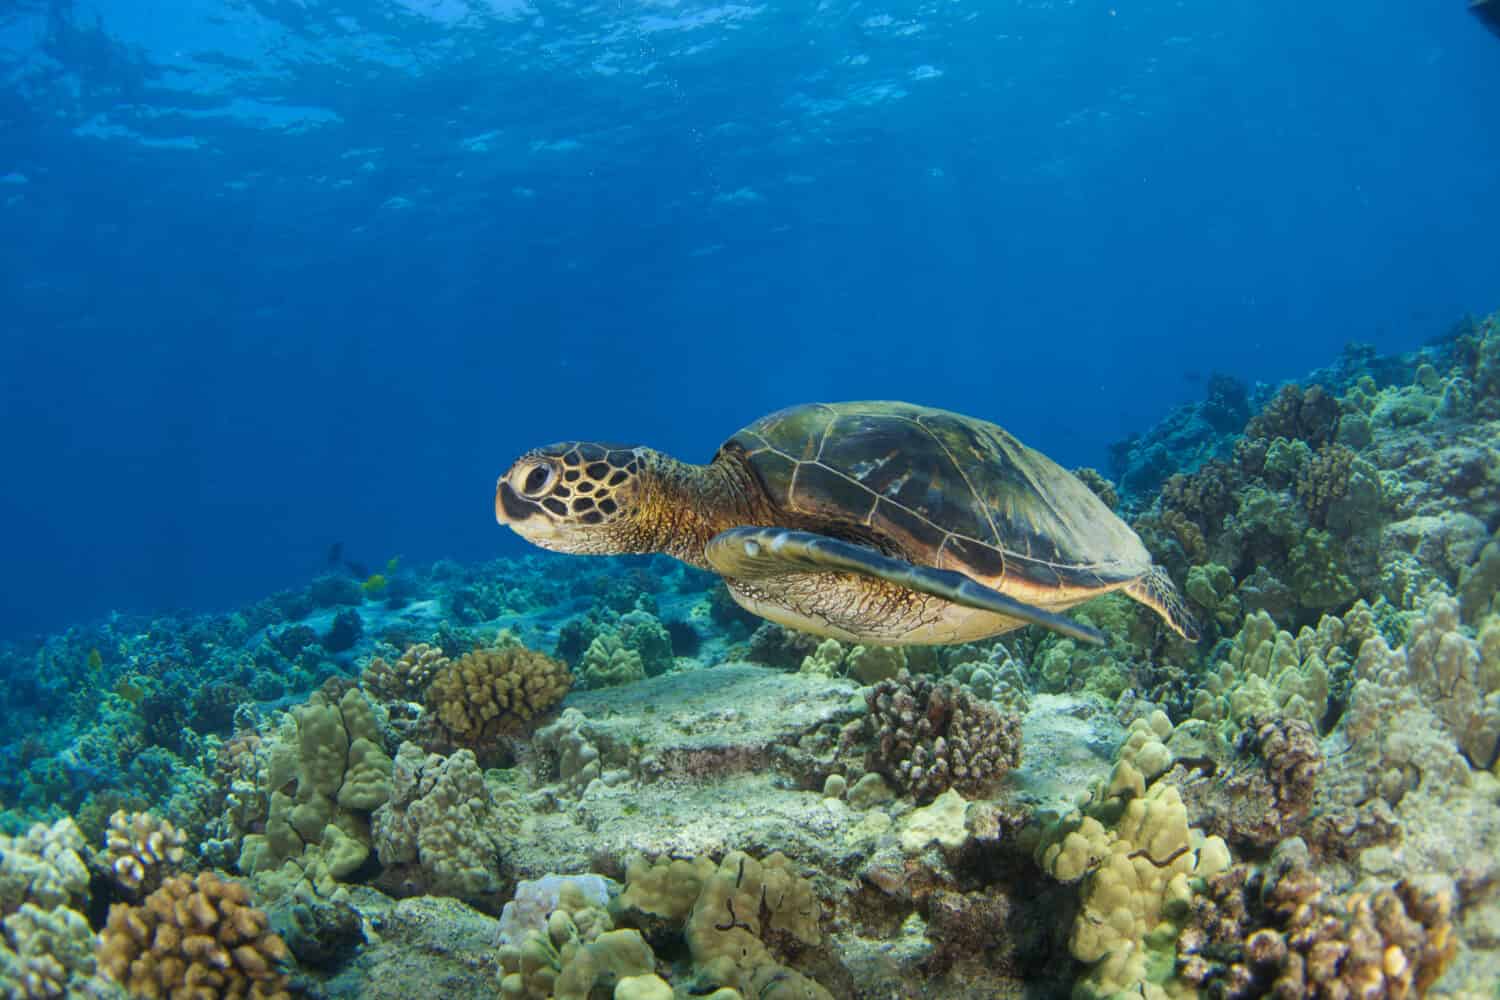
<point>274,276</point>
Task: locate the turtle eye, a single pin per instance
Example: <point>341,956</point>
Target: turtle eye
<point>538,481</point>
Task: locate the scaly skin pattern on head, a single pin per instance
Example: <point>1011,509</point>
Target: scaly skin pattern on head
<point>595,499</point>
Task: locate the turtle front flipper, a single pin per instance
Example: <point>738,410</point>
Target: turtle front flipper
<point>758,555</point>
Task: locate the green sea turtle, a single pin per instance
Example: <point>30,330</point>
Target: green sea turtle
<point>875,522</point>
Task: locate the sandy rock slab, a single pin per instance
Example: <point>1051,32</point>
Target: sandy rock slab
<point>699,762</point>
<point>706,723</point>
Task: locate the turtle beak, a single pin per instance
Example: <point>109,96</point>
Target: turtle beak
<point>526,518</point>
<point>510,509</point>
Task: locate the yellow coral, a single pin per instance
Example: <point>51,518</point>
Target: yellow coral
<point>743,899</point>
<point>327,771</point>
<point>872,664</point>
<point>1269,672</point>
<point>1136,889</point>
<point>197,938</point>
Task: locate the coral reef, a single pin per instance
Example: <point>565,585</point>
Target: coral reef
<point>734,916</point>
<point>609,661</point>
<point>1455,676</point>
<point>1306,803</point>
<point>1101,487</point>
<point>1136,876</point>
<point>1269,673</point>
<point>578,950</point>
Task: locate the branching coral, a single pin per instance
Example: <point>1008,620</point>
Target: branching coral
<point>488,693</point>
<point>1204,496</point>
<point>197,938</point>
<point>140,850</point>
<point>927,737</point>
<point>408,677</point>
<point>1293,760</point>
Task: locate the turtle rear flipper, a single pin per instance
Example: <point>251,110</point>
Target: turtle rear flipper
<point>1156,591</point>
<point>765,553</point>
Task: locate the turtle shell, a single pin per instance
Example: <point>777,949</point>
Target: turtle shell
<point>940,489</point>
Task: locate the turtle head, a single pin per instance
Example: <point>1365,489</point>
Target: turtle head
<point>577,497</point>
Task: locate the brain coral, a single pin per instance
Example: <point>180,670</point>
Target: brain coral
<point>194,938</point>
<point>492,692</point>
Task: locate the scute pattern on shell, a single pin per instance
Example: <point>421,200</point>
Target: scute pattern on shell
<point>951,491</point>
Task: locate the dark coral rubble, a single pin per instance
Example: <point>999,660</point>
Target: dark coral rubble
<point>552,777</point>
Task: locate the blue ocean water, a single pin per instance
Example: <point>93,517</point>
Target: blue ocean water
<point>275,275</point>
